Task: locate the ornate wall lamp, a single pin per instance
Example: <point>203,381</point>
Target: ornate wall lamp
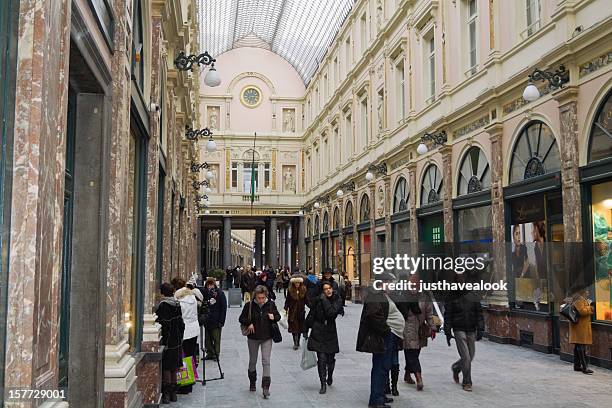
<point>376,169</point>
<point>185,62</point>
<point>555,80</point>
<point>194,134</point>
<point>348,186</point>
<point>437,139</point>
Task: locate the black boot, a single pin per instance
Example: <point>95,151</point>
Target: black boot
<point>330,371</point>
<point>296,341</point>
<point>577,359</point>
<point>585,362</point>
<point>253,380</point>
<point>265,386</point>
<point>322,367</point>
<point>172,392</point>
<point>394,377</point>
<point>165,398</point>
<point>388,387</point>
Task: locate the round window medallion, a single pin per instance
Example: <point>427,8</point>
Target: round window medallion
<point>250,96</point>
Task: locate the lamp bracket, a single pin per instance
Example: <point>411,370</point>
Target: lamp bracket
<point>184,62</point>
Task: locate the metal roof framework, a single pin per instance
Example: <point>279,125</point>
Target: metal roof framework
<point>300,31</point>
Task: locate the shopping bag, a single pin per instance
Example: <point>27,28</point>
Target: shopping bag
<point>283,321</point>
<point>185,375</point>
<point>309,358</point>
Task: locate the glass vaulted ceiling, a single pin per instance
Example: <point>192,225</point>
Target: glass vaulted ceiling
<point>298,30</point>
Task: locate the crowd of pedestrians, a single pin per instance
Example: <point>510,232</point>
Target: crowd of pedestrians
<point>390,322</point>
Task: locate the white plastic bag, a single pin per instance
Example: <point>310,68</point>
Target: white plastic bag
<point>283,321</point>
<point>309,358</point>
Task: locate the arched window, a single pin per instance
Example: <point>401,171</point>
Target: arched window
<point>400,197</point>
<point>336,219</point>
<point>348,214</point>
<point>308,228</point>
<point>600,141</point>
<point>535,153</point>
<point>317,225</point>
<point>474,172</point>
<point>325,221</point>
<point>364,209</point>
<point>431,186</point>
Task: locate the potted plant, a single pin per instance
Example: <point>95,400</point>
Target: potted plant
<point>218,274</point>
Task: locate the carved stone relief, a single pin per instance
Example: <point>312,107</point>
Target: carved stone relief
<point>288,120</point>
<point>289,183</point>
<point>213,116</point>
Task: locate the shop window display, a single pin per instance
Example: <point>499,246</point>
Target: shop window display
<point>601,209</point>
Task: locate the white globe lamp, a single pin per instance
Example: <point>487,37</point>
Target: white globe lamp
<point>422,149</point>
<point>531,92</point>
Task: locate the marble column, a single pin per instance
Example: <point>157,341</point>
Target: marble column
<point>301,243</point>
<point>288,246</point>
<point>258,247</point>
<point>205,253</point>
<point>357,244</point>
<point>273,242</point>
<point>387,214</point>
<point>414,224</point>
<point>282,238</point>
<point>267,235</point>
<point>570,172</point>
<point>227,242</point>
<point>373,237</point>
<point>495,132</point>
<point>447,201</point>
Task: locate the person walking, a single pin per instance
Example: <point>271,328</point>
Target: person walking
<point>265,280</point>
<point>215,318</point>
<point>189,309</point>
<point>381,332</point>
<point>286,280</point>
<point>349,288</point>
<point>463,315</point>
<point>258,316</point>
<point>338,277</point>
<point>419,326</point>
<point>328,277</point>
<point>295,305</point>
<point>170,318</point>
<point>248,283</point>
<point>279,280</point>
<point>323,336</point>
<point>580,333</point>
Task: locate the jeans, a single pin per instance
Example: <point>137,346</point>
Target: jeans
<point>466,346</point>
<point>381,365</point>
<point>266,351</point>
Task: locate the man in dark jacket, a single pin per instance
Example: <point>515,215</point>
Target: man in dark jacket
<point>380,332</point>
<point>215,318</point>
<point>312,287</point>
<point>463,314</point>
<point>328,277</point>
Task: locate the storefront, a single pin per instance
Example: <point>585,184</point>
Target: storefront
<point>472,207</point>
<point>534,233</point>
<point>430,218</point>
<point>349,247</point>
<point>365,241</point>
<point>400,220</point>
<point>596,186</point>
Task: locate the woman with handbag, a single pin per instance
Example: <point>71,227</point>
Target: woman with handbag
<point>170,318</point>
<point>323,337</point>
<point>419,326</point>
<point>189,309</point>
<point>295,305</point>
<point>580,334</point>
<point>258,321</point>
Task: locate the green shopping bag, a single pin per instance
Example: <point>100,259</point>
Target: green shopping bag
<point>185,375</point>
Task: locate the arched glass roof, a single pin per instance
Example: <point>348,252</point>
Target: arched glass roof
<point>298,30</point>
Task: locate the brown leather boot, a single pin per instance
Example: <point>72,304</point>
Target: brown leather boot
<point>253,380</point>
<point>265,385</point>
<point>419,381</point>
<point>408,378</point>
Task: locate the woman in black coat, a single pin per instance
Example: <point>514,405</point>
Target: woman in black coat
<point>170,318</point>
<point>323,336</point>
<point>258,316</point>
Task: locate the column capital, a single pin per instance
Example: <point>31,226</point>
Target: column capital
<point>565,95</point>
<point>495,130</point>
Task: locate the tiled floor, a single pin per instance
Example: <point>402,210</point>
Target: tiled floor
<point>503,376</point>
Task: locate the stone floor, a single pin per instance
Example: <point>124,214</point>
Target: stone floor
<point>503,376</point>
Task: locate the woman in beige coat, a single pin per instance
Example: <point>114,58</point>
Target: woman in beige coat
<point>419,326</point>
<point>580,334</point>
